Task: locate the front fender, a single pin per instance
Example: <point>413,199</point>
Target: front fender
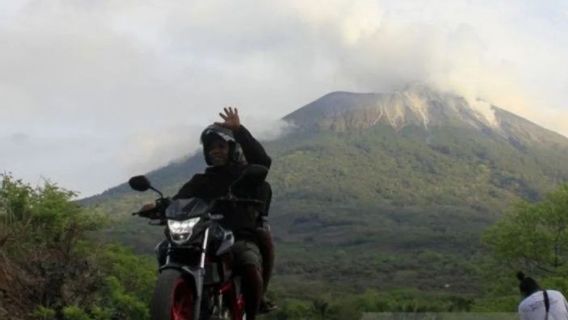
<point>197,275</point>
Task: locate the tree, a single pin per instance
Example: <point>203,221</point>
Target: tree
<point>534,236</point>
<point>52,267</point>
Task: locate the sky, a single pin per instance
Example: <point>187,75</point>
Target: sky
<point>93,92</point>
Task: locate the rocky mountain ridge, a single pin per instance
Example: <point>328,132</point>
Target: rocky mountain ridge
<point>416,106</point>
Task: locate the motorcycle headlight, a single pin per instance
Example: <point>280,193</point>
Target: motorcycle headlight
<point>180,231</point>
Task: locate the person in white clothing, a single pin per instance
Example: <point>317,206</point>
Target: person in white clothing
<point>538,304</point>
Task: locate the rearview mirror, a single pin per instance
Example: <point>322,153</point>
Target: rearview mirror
<point>139,183</point>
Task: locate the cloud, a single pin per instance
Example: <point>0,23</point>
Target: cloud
<point>151,149</point>
<point>19,138</point>
<point>509,55</point>
<point>107,71</point>
<point>268,129</point>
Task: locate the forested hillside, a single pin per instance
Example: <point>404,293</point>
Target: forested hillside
<point>382,191</point>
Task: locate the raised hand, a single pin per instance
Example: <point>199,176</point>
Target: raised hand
<point>231,119</point>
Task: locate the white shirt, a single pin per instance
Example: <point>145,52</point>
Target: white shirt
<point>532,307</point>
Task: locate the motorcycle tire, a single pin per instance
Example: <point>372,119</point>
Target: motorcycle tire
<point>173,297</point>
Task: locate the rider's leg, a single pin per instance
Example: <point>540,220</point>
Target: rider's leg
<point>252,290</point>
<point>266,246</point>
<point>248,262</point>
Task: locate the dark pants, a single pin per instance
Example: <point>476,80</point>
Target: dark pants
<point>246,252</point>
<point>248,264</point>
<point>266,246</point>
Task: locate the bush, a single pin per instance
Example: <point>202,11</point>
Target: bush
<point>54,269</point>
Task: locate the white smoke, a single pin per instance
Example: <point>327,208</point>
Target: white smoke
<point>268,129</point>
<point>150,149</point>
<point>508,55</point>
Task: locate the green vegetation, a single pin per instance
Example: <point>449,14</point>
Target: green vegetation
<point>53,267</point>
<point>383,209</point>
<point>534,236</point>
<point>365,218</point>
<point>343,306</point>
<point>530,237</point>
<point>380,209</point>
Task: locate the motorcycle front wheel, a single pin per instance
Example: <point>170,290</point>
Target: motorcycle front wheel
<point>173,297</point>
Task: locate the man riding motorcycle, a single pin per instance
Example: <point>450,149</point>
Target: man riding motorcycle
<point>229,148</point>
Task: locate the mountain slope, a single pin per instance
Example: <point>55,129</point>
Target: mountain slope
<point>387,190</point>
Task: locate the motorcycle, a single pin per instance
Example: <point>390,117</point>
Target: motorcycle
<point>196,280</point>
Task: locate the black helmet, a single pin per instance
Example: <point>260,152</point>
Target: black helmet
<point>213,132</point>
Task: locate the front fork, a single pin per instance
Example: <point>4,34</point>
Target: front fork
<point>199,276</point>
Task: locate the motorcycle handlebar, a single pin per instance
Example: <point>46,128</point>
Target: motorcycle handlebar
<point>155,213</point>
<point>158,212</point>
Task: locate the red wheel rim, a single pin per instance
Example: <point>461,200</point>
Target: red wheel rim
<point>182,301</point>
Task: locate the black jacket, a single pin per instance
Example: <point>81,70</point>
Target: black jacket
<point>215,182</point>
